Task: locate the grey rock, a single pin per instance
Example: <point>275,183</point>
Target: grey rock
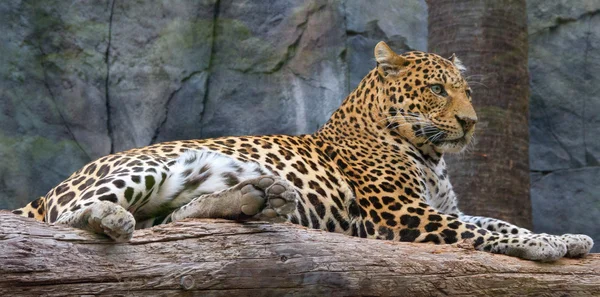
<point>183,110</point>
<point>567,201</point>
<point>52,111</point>
<point>154,49</point>
<point>564,65</point>
<point>276,70</point>
<point>402,24</point>
<point>564,107</point>
<point>546,14</point>
<point>401,20</point>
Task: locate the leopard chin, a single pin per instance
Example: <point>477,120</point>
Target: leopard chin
<point>456,145</point>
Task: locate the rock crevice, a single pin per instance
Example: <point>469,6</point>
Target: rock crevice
<point>109,127</point>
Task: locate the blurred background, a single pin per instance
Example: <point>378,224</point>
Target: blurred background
<point>82,79</point>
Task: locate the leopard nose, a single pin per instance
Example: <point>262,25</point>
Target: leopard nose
<point>466,123</point>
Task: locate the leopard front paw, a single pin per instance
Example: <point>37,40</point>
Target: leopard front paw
<point>538,248</point>
<point>112,220</point>
<point>578,245</point>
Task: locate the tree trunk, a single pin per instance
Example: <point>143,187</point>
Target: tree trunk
<point>490,37</point>
<point>224,258</point>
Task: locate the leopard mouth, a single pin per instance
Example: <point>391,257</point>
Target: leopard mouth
<point>459,140</point>
<point>456,142</point>
<point>452,145</point>
<point>437,137</point>
<point>443,141</point>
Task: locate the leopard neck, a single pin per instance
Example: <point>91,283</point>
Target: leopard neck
<point>354,119</point>
<point>362,119</point>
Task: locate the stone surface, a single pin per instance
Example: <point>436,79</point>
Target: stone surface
<point>544,14</point>
<point>564,64</point>
<point>158,57</point>
<point>283,65</point>
<point>83,79</point>
<point>52,93</point>
<point>368,22</point>
<point>567,201</point>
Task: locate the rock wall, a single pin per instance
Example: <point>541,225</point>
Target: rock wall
<point>82,79</point>
<point>564,64</point>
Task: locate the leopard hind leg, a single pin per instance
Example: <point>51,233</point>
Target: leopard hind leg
<point>104,195</point>
<point>116,194</point>
<point>266,197</point>
<point>208,184</point>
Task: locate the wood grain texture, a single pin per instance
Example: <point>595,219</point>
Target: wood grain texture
<point>490,37</point>
<point>223,258</point>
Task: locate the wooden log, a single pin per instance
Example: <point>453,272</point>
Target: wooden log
<point>224,258</point>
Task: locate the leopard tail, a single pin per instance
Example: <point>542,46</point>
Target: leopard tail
<point>35,209</point>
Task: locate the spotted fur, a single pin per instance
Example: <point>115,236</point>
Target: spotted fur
<point>374,170</point>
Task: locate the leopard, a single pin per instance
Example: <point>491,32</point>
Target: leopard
<point>375,170</point>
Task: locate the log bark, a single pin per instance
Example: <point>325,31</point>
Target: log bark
<point>223,258</point>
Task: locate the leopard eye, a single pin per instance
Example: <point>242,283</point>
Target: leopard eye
<point>438,89</point>
<point>468,92</point>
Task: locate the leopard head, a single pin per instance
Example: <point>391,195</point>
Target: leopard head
<point>424,98</point>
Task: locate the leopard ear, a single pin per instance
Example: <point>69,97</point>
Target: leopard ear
<point>388,62</point>
<point>457,63</point>
<point>452,58</point>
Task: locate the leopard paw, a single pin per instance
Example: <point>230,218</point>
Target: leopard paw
<point>538,248</point>
<point>578,245</point>
<point>267,197</point>
<point>107,218</point>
